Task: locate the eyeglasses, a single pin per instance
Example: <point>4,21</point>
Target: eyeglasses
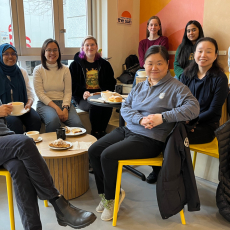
<point>13,54</point>
<point>50,51</point>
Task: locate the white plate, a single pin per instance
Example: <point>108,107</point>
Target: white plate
<point>62,148</point>
<point>38,140</point>
<point>111,102</point>
<point>20,114</point>
<point>75,134</point>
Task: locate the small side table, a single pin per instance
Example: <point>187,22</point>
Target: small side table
<point>69,169</point>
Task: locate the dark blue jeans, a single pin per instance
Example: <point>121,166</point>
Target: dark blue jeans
<point>30,120</point>
<point>30,174</point>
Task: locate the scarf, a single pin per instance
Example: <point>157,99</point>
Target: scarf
<point>17,82</point>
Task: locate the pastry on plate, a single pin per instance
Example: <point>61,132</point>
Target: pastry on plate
<point>111,99</point>
<point>59,144</point>
<point>67,129</point>
<point>76,130</point>
<point>117,99</point>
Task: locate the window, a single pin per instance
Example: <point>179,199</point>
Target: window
<point>75,22</point>
<point>28,23</point>
<point>5,25</point>
<point>38,17</point>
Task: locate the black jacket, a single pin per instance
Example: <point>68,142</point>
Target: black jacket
<point>211,93</point>
<point>78,73</point>
<point>176,185</point>
<point>223,189</point>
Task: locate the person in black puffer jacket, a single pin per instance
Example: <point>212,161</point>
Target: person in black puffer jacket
<point>223,189</point>
<point>90,73</point>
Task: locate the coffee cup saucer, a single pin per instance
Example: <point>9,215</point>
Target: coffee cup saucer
<point>38,140</point>
<point>21,113</point>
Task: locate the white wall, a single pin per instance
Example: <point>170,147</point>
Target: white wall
<point>119,40</point>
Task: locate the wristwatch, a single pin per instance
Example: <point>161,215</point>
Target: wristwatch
<point>163,118</point>
<point>65,107</point>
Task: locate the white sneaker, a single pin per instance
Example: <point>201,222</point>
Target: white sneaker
<point>107,214</point>
<point>100,207</point>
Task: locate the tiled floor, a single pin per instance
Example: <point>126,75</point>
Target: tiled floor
<point>139,210</point>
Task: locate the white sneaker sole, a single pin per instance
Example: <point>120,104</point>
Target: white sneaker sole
<point>99,211</point>
<point>122,197</point>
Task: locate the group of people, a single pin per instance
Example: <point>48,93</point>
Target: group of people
<point>208,85</point>
<point>56,85</point>
<point>151,110</point>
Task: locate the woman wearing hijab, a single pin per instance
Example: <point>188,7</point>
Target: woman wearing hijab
<point>15,86</point>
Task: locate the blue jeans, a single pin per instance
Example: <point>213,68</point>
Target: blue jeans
<point>30,120</point>
<point>50,117</point>
<point>30,174</point>
<point>134,82</point>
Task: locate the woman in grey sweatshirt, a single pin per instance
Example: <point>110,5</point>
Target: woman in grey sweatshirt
<point>150,111</point>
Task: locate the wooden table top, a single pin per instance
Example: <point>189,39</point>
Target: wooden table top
<point>47,152</point>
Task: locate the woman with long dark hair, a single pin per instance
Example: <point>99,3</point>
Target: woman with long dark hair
<point>52,84</point>
<point>153,37</point>
<point>184,54</point>
<point>209,84</point>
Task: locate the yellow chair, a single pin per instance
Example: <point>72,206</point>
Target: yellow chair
<point>4,172</point>
<point>210,149</point>
<point>151,161</point>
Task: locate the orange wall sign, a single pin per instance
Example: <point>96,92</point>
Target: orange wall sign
<point>125,11</point>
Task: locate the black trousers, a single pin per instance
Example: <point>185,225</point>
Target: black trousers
<point>203,133</point>
<point>120,144</point>
<point>31,120</point>
<point>30,174</point>
<point>99,116</point>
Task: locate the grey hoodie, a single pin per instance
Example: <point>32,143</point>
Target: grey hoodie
<point>3,128</point>
<point>168,97</point>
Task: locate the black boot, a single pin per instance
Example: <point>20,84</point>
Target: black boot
<point>69,215</point>
<point>152,178</point>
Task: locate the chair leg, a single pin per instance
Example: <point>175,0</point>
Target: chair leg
<point>194,159</point>
<point>182,217</point>
<point>46,203</point>
<point>10,201</point>
<point>117,194</point>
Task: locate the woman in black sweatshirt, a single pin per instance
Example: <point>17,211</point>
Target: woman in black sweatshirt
<point>209,84</point>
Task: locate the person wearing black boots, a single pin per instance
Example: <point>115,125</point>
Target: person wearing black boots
<point>90,73</point>
<point>32,179</point>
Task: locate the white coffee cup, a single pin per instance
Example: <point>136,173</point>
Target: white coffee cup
<point>106,94</point>
<point>141,74</point>
<point>33,134</point>
<point>17,107</point>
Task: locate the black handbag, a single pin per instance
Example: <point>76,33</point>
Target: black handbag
<point>127,77</point>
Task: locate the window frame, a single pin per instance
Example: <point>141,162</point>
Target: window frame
<point>19,36</point>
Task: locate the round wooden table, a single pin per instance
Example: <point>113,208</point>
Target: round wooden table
<point>69,168</point>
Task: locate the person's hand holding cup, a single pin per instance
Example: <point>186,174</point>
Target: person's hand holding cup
<point>17,107</point>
